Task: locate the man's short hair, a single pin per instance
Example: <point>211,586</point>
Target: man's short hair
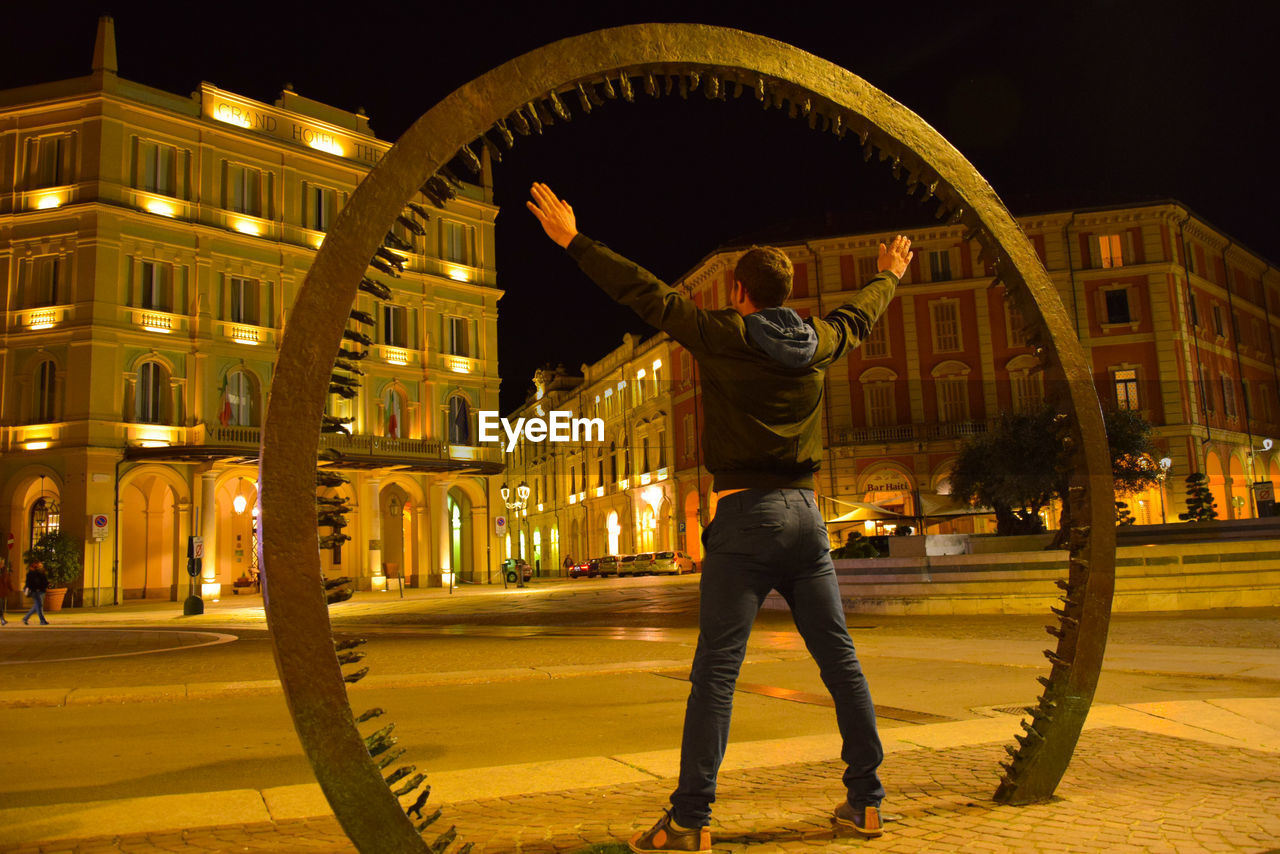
<point>765,271</point>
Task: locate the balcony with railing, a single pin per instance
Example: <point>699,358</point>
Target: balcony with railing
<point>909,432</point>
<point>363,451</point>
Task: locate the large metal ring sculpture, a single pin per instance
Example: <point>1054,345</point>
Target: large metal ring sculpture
<point>525,94</point>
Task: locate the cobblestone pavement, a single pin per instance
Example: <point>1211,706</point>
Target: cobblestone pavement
<point>1126,791</point>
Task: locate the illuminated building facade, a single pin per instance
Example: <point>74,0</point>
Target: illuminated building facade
<point>151,246</point>
<point>612,493</point>
<point>1180,323</point>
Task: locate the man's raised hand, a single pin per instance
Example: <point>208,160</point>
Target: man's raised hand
<point>555,214</point>
<point>896,256</point>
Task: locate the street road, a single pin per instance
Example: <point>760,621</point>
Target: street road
<point>569,669</point>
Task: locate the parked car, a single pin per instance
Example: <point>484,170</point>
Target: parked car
<point>578,570</point>
<point>644,563</point>
<point>671,563</point>
<point>513,564</point>
<point>627,565</point>
<point>607,565</point>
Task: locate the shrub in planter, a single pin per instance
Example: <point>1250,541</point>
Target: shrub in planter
<point>60,555</point>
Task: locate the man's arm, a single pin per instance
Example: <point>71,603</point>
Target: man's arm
<point>626,282</point>
<point>853,321</point>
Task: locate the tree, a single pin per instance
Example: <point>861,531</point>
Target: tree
<point>1010,469</point>
<point>1020,465</point>
<point>1200,504</point>
<point>60,555</point>
<point>1123,516</point>
<point>856,546</point>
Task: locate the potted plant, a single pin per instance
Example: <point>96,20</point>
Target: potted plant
<point>60,555</point>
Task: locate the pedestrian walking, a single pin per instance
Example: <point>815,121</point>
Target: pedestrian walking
<point>6,587</point>
<point>763,368</point>
<point>36,584</point>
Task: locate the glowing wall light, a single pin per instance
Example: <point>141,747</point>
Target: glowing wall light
<point>156,206</point>
<point>326,144</point>
<point>41,319</point>
<point>247,226</point>
<point>396,356</point>
<point>36,446</point>
<point>459,274</point>
<point>52,200</point>
<point>458,364</point>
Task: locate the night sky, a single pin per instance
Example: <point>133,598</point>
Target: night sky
<point>1065,105</point>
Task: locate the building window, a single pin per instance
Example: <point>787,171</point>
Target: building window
<point>459,421</point>
<point>1190,256</point>
<point>454,242</point>
<point>46,518</point>
<point>239,401</point>
<point>243,191</point>
<point>1117,303</point>
<point>395,326</point>
<point>157,168</point>
<point>657,376</point>
<point>876,345</point>
<point>662,449</point>
<point>1109,249</point>
<point>946,325</point>
<point>47,162</point>
<point>939,266</point>
<point>1219,328</point>
<point>878,397</point>
<point>1017,323</point>
<point>395,416</point>
<point>148,405</point>
<point>613,462</point>
<point>1206,391</point>
<point>1126,385</point>
<point>1027,389</point>
<point>321,207</point>
<point>690,438</point>
<point>45,410</point>
<point>686,368</point>
<point>46,279</point>
<point>1228,395</point>
<point>867,268</point>
<point>155,286</point>
<point>953,403</point>
<point>644,459</point>
<point>600,466</point>
<point>457,341</point>
<point>1194,308</point>
<point>244,300</point>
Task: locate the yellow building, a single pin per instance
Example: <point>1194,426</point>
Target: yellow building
<point>610,492</point>
<point>1180,323</point>
<point>151,245</point>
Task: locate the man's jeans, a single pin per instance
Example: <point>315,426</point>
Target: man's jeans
<point>762,540</point>
<point>37,606</point>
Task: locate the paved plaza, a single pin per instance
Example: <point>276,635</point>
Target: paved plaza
<point>1179,775</point>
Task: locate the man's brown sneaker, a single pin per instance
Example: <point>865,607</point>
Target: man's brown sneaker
<point>865,821</point>
<point>666,835</point>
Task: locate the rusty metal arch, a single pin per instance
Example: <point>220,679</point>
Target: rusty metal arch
<point>525,91</point>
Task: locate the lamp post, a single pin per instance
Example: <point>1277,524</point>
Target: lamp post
<point>1165,464</point>
<point>522,498</point>
<point>1253,453</point>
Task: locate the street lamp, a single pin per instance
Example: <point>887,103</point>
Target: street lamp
<point>522,499</point>
<point>1253,480</point>
<point>1165,464</point>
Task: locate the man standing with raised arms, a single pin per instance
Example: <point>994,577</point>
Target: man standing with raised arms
<point>762,383</point>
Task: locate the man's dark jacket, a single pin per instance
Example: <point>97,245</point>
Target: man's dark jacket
<point>762,375</point>
<point>36,581</point>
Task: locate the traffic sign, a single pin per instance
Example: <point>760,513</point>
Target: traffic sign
<point>500,525</point>
<point>99,526</point>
